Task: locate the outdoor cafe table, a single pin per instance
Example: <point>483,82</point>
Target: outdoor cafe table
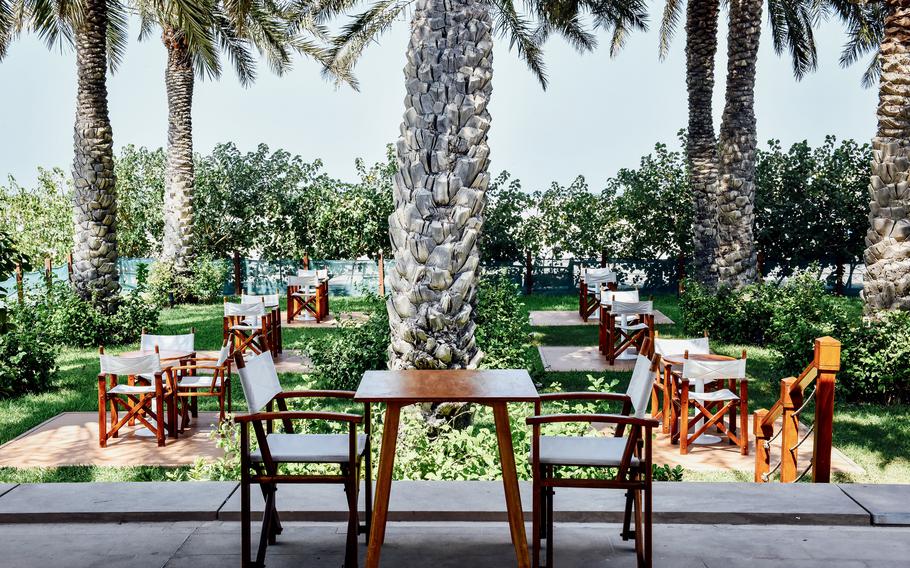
<point>494,388</point>
<point>678,361</point>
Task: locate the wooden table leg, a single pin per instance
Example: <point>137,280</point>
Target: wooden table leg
<point>383,483</point>
<point>510,483</point>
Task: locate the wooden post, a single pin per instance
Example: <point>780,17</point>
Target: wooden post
<point>791,399</point>
<point>306,261</point>
<point>238,274</point>
<point>381,274</point>
<point>529,273</point>
<point>680,273</point>
<point>603,258</point>
<point>47,272</point>
<point>763,433</point>
<point>760,265</point>
<point>19,291</point>
<point>839,278</point>
<point>827,361</point>
<point>69,266</point>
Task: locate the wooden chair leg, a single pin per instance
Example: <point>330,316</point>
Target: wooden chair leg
<point>684,422</point>
<point>245,512</point>
<point>648,521</point>
<point>627,518</point>
<point>536,511</point>
<point>639,529</point>
<point>350,556</point>
<point>102,416</point>
<point>744,417</point>
<point>368,494</point>
<point>549,529</point>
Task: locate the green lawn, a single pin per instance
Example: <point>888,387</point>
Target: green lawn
<point>877,438</point>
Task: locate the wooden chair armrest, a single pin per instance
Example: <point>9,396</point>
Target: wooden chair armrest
<point>298,415</point>
<point>585,395</point>
<point>606,418</point>
<point>316,394</point>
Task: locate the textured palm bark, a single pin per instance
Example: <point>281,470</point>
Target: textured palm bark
<point>95,207</point>
<point>179,177</point>
<point>736,255</point>
<point>440,187</point>
<point>701,147</point>
<point>887,279</point>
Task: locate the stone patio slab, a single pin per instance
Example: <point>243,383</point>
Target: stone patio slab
<point>114,502</point>
<point>566,359</point>
<point>71,438</point>
<point>888,504</point>
<point>290,361</point>
<point>6,488</point>
<point>332,321</point>
<point>559,318</point>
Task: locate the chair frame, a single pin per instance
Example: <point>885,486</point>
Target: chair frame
<point>267,475</point>
<point>614,340</point>
<point>587,298</point>
<point>191,395</point>
<point>662,404</point>
<point>636,480</point>
<point>258,339</point>
<point>712,413</point>
<point>317,305</point>
<point>136,406</point>
<point>276,342</point>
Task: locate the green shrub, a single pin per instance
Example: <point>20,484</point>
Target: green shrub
<point>339,359</point>
<point>27,358</point>
<point>503,332</point>
<point>874,359</point>
<point>204,283</point>
<point>734,316</point>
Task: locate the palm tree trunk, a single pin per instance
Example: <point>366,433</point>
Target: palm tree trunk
<point>701,147</point>
<point>887,279</point>
<point>736,193</point>
<point>95,207</point>
<point>177,242</point>
<point>440,187</point>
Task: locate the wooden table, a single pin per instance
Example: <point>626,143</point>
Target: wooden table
<point>397,389</point>
<point>678,361</point>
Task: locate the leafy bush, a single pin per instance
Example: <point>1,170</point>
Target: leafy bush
<point>64,317</point>
<point>204,283</point>
<point>339,359</point>
<point>735,316</point>
<point>27,358</point>
<point>875,356</point>
<point>503,331</point>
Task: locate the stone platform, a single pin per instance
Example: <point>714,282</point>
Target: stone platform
<point>560,318</point>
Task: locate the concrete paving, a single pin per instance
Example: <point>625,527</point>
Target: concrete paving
<point>566,359</point>
<point>445,545</point>
<point>888,504</point>
<point>559,318</point>
<point>332,321</point>
<point>114,502</point>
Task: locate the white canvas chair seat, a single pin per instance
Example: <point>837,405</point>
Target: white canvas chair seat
<point>267,300</point>
<point>310,448</point>
<point>630,326</point>
<point>181,342</point>
<point>695,346</point>
<point>720,395</point>
<point>198,382</point>
<point>132,389</point>
<point>246,326</point>
<point>583,450</point>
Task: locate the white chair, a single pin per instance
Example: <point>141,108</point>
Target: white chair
<point>710,407</point>
<point>136,399</point>
<point>663,379</point>
<point>624,325</point>
<point>620,451</point>
<point>183,343</point>
<point>260,466</point>
<point>272,303</point>
<point>191,385</point>
<point>246,326</point>
<point>306,296</point>
<point>591,284</point>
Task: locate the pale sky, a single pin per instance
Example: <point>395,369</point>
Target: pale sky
<point>598,115</point>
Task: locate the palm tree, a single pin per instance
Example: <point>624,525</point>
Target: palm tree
<point>193,35</point>
<point>722,186</point>
<point>97,31</point>
<point>443,155</point>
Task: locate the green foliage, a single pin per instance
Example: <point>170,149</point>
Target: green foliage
<point>340,359</point>
<point>9,256</point>
<point>503,331</point>
<point>140,199</point>
<point>506,236</point>
<point>39,219</point>
<point>27,358</point>
<point>203,283</point>
<point>875,357</point>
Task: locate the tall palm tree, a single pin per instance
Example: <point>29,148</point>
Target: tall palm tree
<point>194,34</point>
<point>97,31</point>
<point>443,155</point>
<point>722,186</point>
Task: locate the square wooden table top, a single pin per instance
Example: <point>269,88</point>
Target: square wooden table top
<point>454,385</point>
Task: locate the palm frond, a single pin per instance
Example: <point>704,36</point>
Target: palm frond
<point>192,20</point>
<point>792,22</point>
<point>865,27</point>
<point>117,33</point>
<point>236,48</point>
<point>668,25</point>
<point>508,23</point>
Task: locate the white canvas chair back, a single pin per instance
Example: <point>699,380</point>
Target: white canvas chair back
<point>259,381</point>
<point>306,273</point>
<point>224,353</point>
<point>130,366</point>
<point>714,370</point>
<point>254,310</point>
<point>632,308</point>
<point>270,300</point>
<point>620,296</point>
<point>303,281</point>
<point>182,342</point>
<point>639,389</point>
<point>597,276</point>
<point>695,346</point>
<point>322,274</point>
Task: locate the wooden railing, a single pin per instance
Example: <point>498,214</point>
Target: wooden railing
<point>793,401</point>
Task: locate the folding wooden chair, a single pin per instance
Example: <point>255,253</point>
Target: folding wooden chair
<point>184,342</point>
<point>710,407</point>
<point>662,397</point>
<point>136,400</point>
<point>273,308</point>
<point>624,325</point>
<point>191,385</point>
<point>261,466</point>
<point>606,299</point>
<point>630,455</point>
<point>591,285</point>
<point>305,296</point>
<point>246,326</point>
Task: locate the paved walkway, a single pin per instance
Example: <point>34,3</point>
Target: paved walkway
<point>571,317</point>
<point>564,359</point>
<point>331,321</point>
<point>444,545</point>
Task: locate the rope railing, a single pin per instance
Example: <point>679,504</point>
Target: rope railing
<point>793,401</point>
